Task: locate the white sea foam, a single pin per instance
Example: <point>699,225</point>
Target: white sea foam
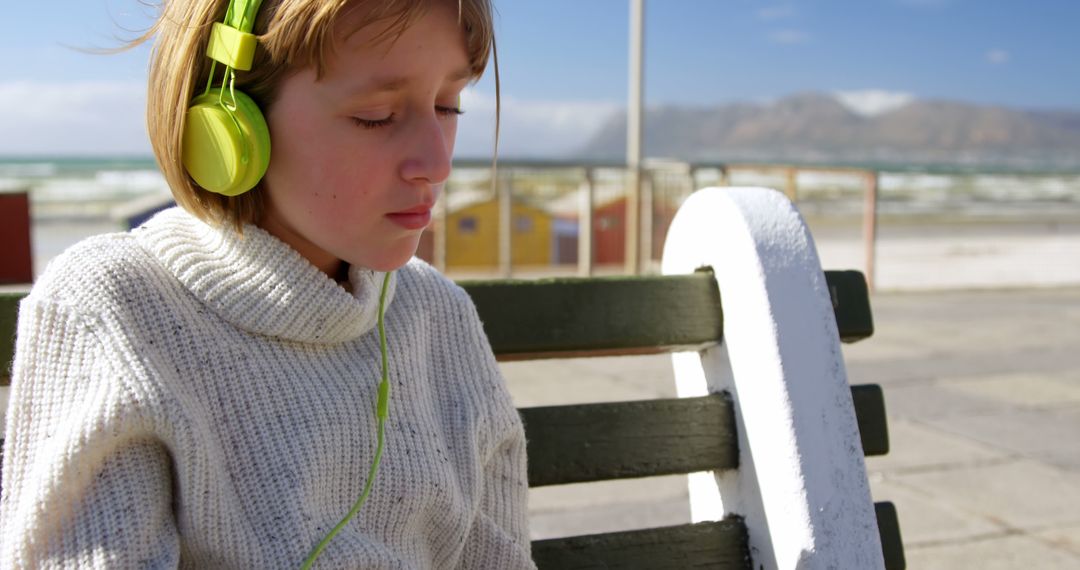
<point>134,181</point>
<point>104,186</point>
<point>15,171</point>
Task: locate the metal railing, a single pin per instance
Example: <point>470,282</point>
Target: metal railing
<point>594,196</point>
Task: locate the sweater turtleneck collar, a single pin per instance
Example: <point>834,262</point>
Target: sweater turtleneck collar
<point>260,284</point>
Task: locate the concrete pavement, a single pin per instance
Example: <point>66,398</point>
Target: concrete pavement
<point>983,392</point>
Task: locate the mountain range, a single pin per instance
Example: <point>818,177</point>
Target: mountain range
<point>820,128</point>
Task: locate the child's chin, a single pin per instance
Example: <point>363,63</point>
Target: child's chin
<point>391,262</point>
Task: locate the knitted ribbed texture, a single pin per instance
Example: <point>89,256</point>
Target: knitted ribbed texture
<point>184,396</point>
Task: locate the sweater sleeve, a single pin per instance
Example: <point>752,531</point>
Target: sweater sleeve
<point>85,483</point>
<point>499,537</point>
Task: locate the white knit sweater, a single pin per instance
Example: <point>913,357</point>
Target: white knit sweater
<point>186,397</point>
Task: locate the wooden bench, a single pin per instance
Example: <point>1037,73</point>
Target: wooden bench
<point>829,520</point>
<point>766,423</point>
<point>581,317</point>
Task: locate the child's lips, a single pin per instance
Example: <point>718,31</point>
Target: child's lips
<point>415,218</point>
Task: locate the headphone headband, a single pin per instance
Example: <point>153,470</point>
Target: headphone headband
<point>231,41</point>
<point>241,14</point>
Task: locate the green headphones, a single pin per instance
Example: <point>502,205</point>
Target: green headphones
<point>226,144</point>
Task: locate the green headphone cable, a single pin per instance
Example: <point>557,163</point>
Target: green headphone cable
<point>382,411</point>
<point>228,80</point>
<point>213,62</point>
<point>210,79</point>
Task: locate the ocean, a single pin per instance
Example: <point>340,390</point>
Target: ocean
<point>82,188</point>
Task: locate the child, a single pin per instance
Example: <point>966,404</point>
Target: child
<point>201,391</point>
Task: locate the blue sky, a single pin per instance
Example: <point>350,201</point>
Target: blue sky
<point>563,63</point>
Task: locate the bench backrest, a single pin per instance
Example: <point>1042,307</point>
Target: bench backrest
<point>576,317</point>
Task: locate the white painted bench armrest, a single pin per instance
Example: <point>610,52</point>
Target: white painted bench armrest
<point>801,483</point>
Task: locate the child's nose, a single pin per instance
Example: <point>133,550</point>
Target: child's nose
<point>428,157</point>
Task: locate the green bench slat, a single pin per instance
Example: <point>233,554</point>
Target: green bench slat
<point>870,414</point>
<point>721,545</point>
<point>616,440</point>
<point>571,316</point>
<point>598,442</point>
<point>554,317</point>
<point>9,315</point>
<point>548,318</point>
<point>892,545</point>
<point>851,304</point>
<point>595,442</point>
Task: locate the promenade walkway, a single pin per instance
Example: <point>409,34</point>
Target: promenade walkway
<point>983,390</point>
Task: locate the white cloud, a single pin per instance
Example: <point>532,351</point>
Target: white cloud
<point>532,128</point>
<point>872,102</point>
<point>998,56</point>
<point>788,37</point>
<point>779,12</point>
<point>89,117</point>
<point>109,118</point>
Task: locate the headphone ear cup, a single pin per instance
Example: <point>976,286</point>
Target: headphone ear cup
<point>225,151</point>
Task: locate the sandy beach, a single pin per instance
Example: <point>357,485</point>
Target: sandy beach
<point>943,255</point>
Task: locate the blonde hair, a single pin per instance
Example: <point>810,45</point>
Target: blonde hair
<point>292,34</point>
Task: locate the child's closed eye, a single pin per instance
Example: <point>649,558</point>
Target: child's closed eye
<point>374,123</point>
<point>441,110</point>
<point>445,111</point>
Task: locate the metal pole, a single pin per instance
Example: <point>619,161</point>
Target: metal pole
<point>506,201</point>
<point>870,214</point>
<point>647,209</point>
<point>633,135</point>
<point>585,225</point>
